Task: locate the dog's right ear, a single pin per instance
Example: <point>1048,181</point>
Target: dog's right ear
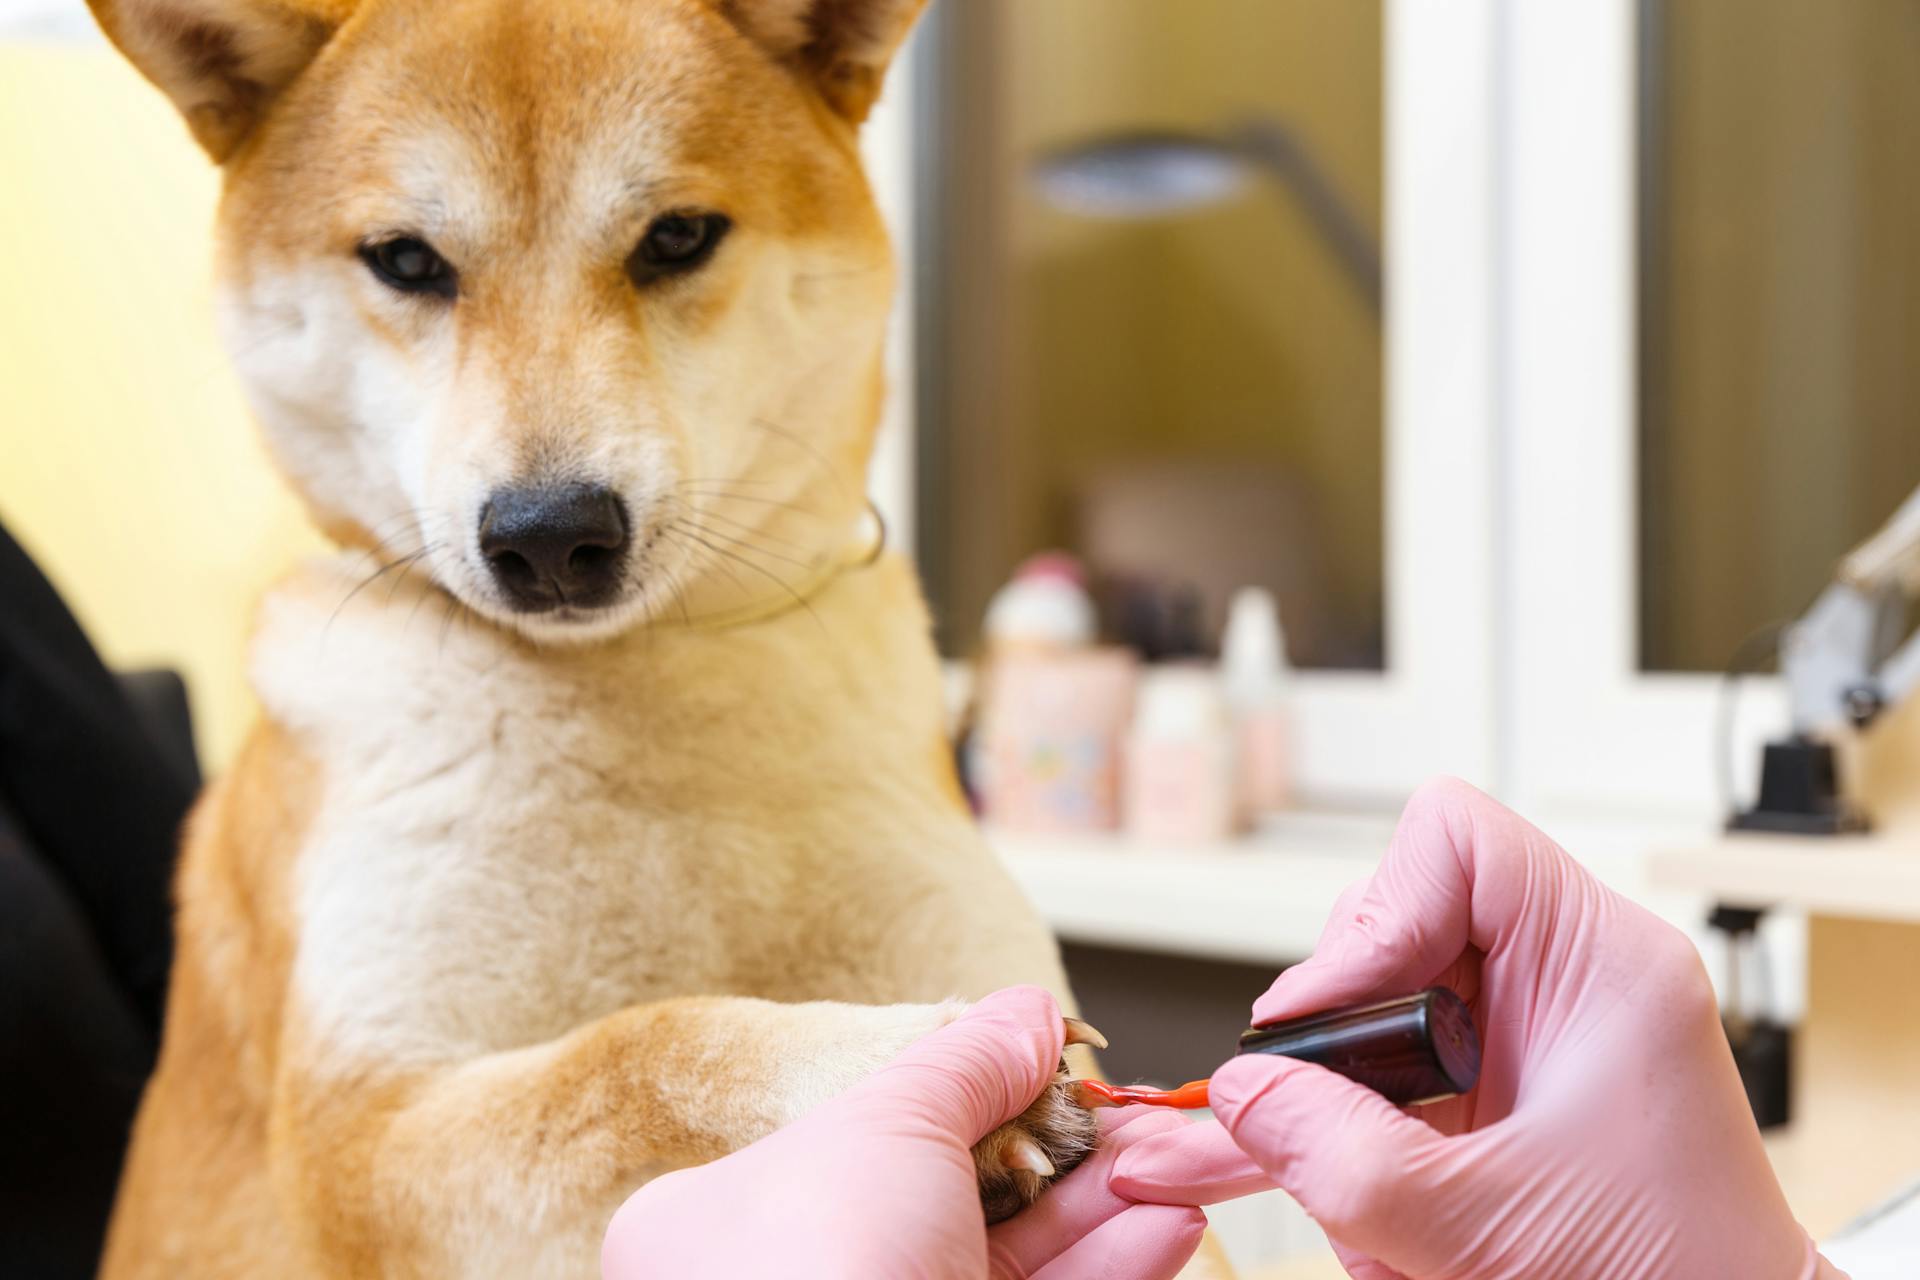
<point>221,61</point>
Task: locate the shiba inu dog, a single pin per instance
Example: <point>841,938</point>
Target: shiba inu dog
<point>600,820</point>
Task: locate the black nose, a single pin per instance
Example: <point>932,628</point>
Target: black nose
<point>555,545</point>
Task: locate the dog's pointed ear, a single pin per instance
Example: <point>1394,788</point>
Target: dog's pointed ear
<point>221,61</point>
<point>843,46</point>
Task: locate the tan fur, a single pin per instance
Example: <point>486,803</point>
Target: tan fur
<point>499,915</point>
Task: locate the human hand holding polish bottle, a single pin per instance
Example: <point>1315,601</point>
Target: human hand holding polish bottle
<point>1608,1136</point>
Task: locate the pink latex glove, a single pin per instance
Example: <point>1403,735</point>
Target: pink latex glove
<point>880,1181</point>
<point>1608,1135</point>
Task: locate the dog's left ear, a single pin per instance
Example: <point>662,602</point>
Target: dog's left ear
<point>844,46</point>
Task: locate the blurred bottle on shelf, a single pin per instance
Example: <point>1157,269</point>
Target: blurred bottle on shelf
<point>1051,725</point>
<point>1180,759</point>
<point>1257,678</point>
<point>1044,606</point>
<point>1053,707</point>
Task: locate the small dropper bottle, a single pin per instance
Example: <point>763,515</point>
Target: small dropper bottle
<point>1254,672</point>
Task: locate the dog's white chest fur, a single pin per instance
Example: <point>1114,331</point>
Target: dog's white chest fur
<point>513,841</point>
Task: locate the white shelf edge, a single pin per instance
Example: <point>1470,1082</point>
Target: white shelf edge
<point>1259,899</point>
<point>1264,898</point>
<point>1869,877</point>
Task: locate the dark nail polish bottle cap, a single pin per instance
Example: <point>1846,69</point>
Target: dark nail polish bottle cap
<point>1417,1049</point>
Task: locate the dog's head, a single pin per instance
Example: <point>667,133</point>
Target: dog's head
<point>582,301</point>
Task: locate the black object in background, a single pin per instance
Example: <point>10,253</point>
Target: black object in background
<point>96,776</point>
<point>1800,792</point>
<point>1763,1053</point>
<point>1161,621</point>
<point>1762,1047</point>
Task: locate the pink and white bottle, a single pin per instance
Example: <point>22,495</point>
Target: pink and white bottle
<point>1253,667</point>
<point>1180,775</point>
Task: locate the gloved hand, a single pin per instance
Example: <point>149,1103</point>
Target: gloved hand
<point>880,1181</point>
<point>1608,1135</point>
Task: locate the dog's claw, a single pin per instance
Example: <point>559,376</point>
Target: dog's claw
<point>1079,1032</point>
<point>1024,1153</point>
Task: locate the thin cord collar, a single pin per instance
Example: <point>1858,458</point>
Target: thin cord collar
<point>862,551</point>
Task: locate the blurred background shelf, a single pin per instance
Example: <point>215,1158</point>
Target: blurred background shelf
<point>1259,899</point>
<point>1874,877</point>
<point>1264,897</point>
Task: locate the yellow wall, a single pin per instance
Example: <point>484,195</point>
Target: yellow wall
<point>128,465</point>
<point>1785,304</point>
<point>1228,335</point>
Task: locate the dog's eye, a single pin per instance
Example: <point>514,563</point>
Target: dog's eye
<point>674,243</point>
<point>409,265</point>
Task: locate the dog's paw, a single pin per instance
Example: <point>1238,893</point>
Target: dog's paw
<point>1041,1145</point>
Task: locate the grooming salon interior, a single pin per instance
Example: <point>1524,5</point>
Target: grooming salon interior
<point>1287,402</point>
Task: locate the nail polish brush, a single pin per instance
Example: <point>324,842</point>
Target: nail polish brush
<point>1414,1050</point>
